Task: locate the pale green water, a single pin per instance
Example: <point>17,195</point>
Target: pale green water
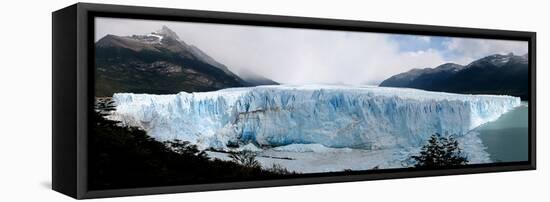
<point>507,138</point>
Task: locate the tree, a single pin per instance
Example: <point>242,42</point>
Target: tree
<point>277,168</point>
<point>126,157</point>
<point>185,148</point>
<point>440,152</point>
<point>246,158</point>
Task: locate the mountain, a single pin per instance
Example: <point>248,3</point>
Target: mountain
<point>255,79</point>
<point>494,74</point>
<point>157,63</point>
<point>423,78</point>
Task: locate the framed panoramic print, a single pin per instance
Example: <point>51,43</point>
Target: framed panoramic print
<point>153,100</point>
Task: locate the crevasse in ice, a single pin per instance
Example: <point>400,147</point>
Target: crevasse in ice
<point>333,116</point>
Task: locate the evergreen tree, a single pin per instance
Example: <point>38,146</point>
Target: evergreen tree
<point>246,158</point>
<point>440,152</point>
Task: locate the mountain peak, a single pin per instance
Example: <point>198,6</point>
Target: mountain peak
<point>167,32</point>
<point>500,74</point>
<point>499,60</point>
<point>449,65</point>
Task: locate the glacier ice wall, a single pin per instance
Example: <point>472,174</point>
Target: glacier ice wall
<point>333,116</point>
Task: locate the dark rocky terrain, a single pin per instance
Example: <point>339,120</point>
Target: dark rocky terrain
<point>157,63</point>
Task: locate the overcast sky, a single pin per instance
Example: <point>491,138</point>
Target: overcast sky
<point>305,56</point>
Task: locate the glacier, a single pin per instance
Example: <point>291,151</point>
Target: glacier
<point>332,116</point>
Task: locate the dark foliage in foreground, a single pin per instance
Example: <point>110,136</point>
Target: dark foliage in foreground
<point>126,157</point>
<point>440,152</point>
<point>245,157</point>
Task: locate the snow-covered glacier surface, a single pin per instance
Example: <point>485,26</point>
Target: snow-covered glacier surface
<point>312,117</point>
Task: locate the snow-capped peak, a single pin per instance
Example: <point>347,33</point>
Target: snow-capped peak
<point>159,37</point>
<point>500,60</point>
<point>497,60</point>
<point>167,32</point>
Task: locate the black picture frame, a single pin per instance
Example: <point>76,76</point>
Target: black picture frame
<point>73,93</point>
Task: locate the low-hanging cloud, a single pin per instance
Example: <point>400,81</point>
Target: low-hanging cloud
<point>465,50</point>
<point>302,56</point>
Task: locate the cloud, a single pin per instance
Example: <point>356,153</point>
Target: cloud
<point>464,50</point>
<point>300,56</point>
<point>314,56</point>
<point>424,38</point>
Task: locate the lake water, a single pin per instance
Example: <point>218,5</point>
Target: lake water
<point>506,139</point>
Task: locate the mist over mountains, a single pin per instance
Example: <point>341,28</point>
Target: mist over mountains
<point>163,63</point>
<point>160,63</point>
